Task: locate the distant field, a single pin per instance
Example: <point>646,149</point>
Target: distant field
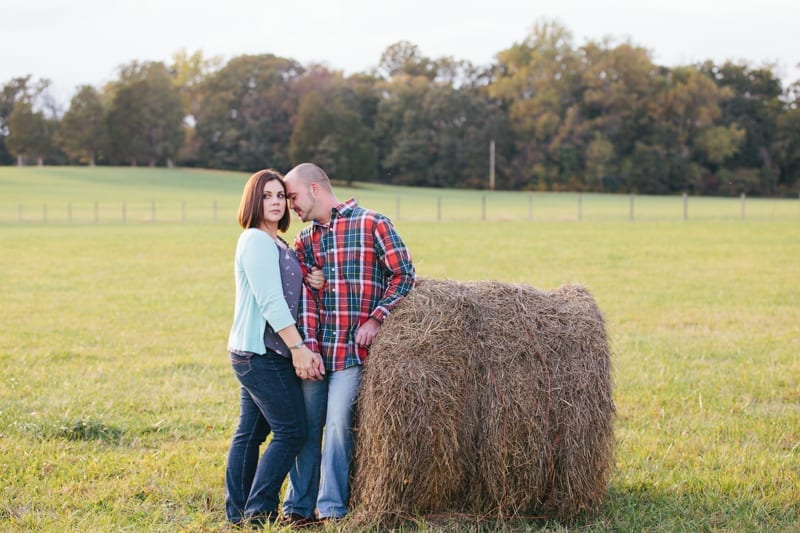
<point>117,402</point>
<point>62,195</point>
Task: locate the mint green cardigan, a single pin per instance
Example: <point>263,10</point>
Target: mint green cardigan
<point>259,292</point>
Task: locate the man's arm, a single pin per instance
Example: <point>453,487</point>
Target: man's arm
<point>395,260</point>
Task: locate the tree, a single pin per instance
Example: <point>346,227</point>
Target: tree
<point>753,104</point>
<point>433,134</point>
<point>536,79</point>
<point>405,58</point>
<point>718,143</point>
<point>398,130</point>
<point>787,140</point>
<point>189,72</point>
<point>331,131</point>
<point>20,89</point>
<point>614,91</point>
<point>29,134</point>
<point>84,127</point>
<point>146,115</point>
<point>684,105</point>
<point>246,114</point>
<point>461,74</point>
<point>600,162</point>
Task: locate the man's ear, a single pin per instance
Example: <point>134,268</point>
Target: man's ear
<point>314,188</point>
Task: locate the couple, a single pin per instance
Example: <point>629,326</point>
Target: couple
<point>303,322</point>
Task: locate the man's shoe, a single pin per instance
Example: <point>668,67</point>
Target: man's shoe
<point>261,519</point>
<point>299,521</point>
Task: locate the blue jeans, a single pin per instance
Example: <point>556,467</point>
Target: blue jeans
<point>321,478</point>
<point>271,401</point>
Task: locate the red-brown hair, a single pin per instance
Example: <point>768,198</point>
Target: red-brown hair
<point>251,208</point>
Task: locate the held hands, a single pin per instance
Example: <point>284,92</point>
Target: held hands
<point>307,364</point>
<point>315,278</point>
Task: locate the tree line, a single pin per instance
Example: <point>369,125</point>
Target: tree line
<point>597,117</point>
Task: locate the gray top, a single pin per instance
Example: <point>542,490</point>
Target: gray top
<point>292,281</point>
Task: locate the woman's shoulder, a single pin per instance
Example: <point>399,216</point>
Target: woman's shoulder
<point>253,238</point>
<point>254,234</point>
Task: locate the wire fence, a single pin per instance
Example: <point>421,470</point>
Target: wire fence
<point>486,207</point>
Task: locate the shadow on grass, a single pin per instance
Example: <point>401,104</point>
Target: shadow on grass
<point>629,508</point>
<point>699,509</point>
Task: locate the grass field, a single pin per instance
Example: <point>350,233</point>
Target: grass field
<point>117,402</point>
<point>75,195</point>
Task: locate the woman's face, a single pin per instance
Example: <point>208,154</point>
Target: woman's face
<point>274,201</point>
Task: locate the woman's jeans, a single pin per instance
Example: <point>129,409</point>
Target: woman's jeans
<point>271,401</point>
<point>330,403</point>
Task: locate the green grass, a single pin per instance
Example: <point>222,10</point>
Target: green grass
<point>103,195</point>
<point>117,403</point>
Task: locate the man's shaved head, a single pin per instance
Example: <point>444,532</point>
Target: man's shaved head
<point>308,173</point>
<point>310,192</point>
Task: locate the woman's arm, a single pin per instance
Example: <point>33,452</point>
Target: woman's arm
<point>259,260</point>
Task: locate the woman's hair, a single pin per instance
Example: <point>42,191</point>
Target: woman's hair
<point>251,208</point>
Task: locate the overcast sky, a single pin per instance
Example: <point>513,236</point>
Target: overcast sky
<point>76,42</point>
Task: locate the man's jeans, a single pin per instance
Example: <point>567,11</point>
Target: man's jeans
<point>322,480</point>
<point>271,400</point>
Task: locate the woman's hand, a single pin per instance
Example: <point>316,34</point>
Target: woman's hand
<point>307,364</point>
<point>315,278</point>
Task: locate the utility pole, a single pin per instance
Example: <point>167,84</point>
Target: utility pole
<point>491,165</point>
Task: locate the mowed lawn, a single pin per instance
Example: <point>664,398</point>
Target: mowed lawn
<point>117,402</point>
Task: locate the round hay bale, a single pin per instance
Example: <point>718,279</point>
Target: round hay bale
<point>549,449</point>
<point>486,398</point>
<point>413,440</point>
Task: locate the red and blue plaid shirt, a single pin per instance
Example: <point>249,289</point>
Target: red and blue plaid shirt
<point>367,269</point>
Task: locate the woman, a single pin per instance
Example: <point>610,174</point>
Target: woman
<point>267,354</point>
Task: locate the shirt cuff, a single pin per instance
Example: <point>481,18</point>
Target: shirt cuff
<point>379,314</point>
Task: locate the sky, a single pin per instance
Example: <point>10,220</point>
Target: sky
<point>77,42</point>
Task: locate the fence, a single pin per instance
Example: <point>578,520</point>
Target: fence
<point>455,206</point>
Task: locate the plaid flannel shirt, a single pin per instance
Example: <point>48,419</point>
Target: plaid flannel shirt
<point>367,269</point>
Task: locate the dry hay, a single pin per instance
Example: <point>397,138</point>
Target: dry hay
<point>485,398</point>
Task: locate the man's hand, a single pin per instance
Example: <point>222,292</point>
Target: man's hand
<point>366,332</point>
<point>315,278</point>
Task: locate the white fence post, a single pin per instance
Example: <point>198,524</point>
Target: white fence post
<point>685,206</point>
<point>743,201</point>
<point>530,207</point>
<point>630,215</point>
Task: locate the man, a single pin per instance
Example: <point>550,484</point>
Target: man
<point>368,270</point>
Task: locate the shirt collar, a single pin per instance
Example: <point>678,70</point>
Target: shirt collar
<point>343,209</point>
